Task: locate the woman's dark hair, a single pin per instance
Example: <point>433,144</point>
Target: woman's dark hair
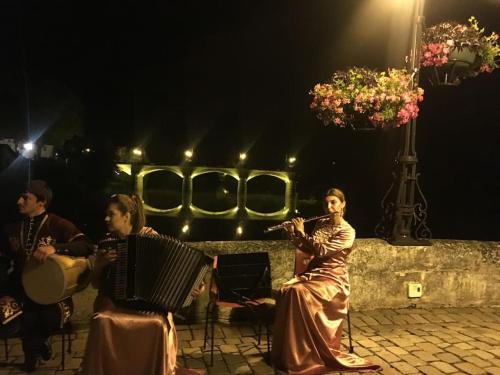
<point>337,193</point>
<point>132,205</point>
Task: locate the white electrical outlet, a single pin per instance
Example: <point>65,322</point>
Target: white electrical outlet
<point>414,290</point>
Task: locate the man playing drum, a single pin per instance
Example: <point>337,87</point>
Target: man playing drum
<point>37,236</point>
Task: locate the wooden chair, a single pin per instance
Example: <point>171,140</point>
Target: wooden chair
<point>66,333</point>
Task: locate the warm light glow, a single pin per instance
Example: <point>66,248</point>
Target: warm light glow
<point>239,230</point>
<point>125,168</point>
<point>373,23</point>
<point>137,151</point>
<point>188,153</point>
<point>185,228</point>
<point>87,150</point>
<point>29,146</point>
<point>292,160</point>
<point>243,156</point>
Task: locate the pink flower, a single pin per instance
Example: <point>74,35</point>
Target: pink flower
<point>385,99</point>
<point>377,117</point>
<point>485,68</point>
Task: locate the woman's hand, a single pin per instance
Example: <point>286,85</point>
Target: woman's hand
<point>105,258</point>
<point>289,228</point>
<point>298,225</point>
<point>196,292</point>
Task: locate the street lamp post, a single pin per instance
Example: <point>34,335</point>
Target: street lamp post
<point>404,220</point>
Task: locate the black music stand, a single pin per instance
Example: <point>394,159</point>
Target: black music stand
<point>238,281</point>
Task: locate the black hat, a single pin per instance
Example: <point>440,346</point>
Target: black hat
<point>41,190</point>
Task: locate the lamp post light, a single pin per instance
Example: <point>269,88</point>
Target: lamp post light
<point>290,162</point>
<point>403,220</point>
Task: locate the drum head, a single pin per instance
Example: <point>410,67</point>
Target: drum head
<point>44,283</point>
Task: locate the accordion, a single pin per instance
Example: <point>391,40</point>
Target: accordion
<point>155,272</point>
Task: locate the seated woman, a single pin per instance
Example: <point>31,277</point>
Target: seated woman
<point>312,306</point>
<point>121,340</point>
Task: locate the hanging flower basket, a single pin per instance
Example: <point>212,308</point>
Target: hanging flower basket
<point>366,99</point>
<point>452,52</point>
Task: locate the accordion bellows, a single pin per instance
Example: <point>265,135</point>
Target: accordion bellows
<point>155,271</point>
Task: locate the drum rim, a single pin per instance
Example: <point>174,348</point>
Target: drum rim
<point>28,281</point>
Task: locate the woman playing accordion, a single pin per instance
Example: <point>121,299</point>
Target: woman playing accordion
<point>123,340</point>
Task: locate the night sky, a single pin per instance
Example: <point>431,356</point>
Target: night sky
<point>226,76</point>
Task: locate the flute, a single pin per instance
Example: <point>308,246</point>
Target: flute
<point>286,223</point>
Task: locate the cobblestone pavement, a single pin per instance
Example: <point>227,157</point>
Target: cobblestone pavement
<point>402,341</point>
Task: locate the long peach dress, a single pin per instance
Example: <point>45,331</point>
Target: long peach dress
<point>311,307</point>
<point>125,341</point>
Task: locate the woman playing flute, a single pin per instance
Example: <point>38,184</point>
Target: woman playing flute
<point>312,306</point>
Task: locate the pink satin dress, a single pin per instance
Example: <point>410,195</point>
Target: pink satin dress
<point>125,341</point>
<point>312,306</point>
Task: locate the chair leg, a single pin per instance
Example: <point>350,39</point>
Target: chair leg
<point>206,325</point>
<point>351,348</point>
<point>268,340</point>
<point>6,347</point>
<point>256,320</point>
<point>70,341</point>
<point>212,337</point>
<point>63,350</point>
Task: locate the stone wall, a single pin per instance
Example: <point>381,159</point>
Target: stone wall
<point>452,273</point>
